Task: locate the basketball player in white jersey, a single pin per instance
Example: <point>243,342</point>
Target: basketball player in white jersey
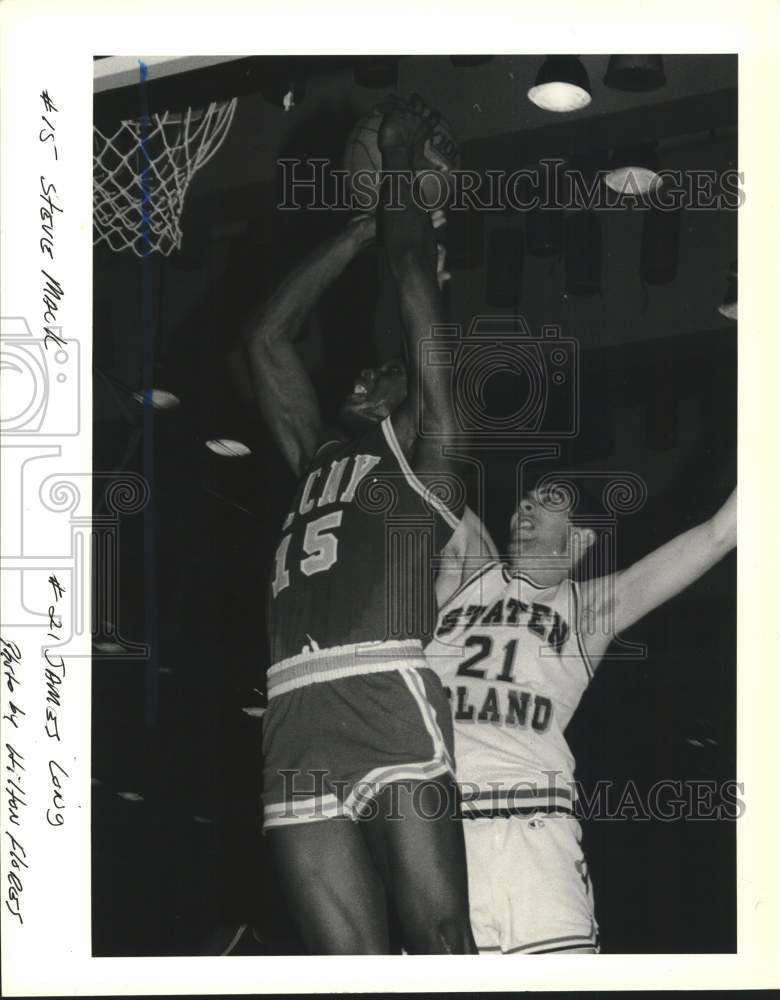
<point>516,644</point>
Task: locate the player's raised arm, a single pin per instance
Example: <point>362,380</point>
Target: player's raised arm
<point>631,594</point>
<point>470,547</point>
<point>283,388</point>
<point>408,237</point>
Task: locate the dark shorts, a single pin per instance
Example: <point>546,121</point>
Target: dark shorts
<point>344,723</point>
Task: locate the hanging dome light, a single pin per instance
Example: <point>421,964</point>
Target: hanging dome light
<point>107,646</point>
<point>228,448</point>
<point>728,307</point>
<point>633,170</point>
<point>107,642</point>
<point>158,399</point>
<point>635,73</point>
<point>561,85</point>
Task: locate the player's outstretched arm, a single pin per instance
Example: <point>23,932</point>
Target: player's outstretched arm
<point>469,548</point>
<point>621,600</point>
<point>410,243</point>
<point>283,388</point>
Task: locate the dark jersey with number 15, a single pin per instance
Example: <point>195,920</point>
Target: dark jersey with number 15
<point>355,559</point>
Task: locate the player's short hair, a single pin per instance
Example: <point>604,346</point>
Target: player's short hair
<point>585,502</point>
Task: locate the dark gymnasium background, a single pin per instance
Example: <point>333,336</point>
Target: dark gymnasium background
<point>178,862</point>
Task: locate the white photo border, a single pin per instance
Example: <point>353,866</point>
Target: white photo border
<point>46,49</point>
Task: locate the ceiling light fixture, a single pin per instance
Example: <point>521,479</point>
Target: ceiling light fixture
<point>561,85</point>
<point>633,170</point>
<point>108,647</point>
<point>159,399</point>
<point>635,73</point>
<point>228,448</point>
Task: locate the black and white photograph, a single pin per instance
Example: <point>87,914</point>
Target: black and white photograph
<point>388,410</point>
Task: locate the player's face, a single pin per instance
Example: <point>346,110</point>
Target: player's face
<point>540,525</point>
<point>377,392</point>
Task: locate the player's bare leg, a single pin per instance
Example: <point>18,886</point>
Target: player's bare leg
<point>418,844</point>
<point>333,888</point>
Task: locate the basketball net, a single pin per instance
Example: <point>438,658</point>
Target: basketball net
<point>142,173</point>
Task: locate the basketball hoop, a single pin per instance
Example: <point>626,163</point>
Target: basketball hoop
<point>142,173</point>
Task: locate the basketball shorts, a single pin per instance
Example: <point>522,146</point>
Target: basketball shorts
<point>529,888</point>
<point>345,722</point>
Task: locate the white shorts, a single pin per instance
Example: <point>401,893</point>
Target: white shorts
<point>529,888</point>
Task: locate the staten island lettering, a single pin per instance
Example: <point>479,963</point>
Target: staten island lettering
<point>500,703</point>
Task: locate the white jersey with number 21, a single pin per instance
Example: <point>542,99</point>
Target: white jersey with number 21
<point>509,654</point>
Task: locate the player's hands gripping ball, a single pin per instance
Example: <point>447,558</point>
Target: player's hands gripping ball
<point>409,125</point>
<point>428,139</point>
<point>413,125</point>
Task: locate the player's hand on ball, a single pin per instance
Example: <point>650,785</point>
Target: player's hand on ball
<point>406,124</point>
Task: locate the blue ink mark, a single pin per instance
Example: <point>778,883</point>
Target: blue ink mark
<point>151,624</point>
<point>146,193</point>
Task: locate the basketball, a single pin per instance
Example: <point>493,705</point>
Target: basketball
<point>362,156</point>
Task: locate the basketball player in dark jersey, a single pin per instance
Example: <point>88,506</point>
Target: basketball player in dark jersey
<point>358,771</point>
